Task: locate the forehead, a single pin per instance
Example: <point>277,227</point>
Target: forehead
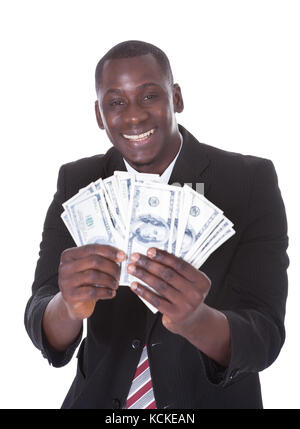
<point>129,73</point>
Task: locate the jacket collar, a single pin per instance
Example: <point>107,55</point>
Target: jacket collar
<point>192,162</point>
<point>113,160</point>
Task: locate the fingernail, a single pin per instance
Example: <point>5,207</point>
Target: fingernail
<point>134,257</point>
<point>121,255</point>
<point>131,268</point>
<point>151,253</point>
<point>134,286</point>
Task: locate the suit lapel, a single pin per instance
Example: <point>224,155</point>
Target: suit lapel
<point>113,161</point>
<point>192,163</point>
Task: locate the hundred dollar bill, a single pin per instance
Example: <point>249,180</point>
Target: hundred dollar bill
<point>134,211</point>
<point>218,236</point>
<point>113,199</point>
<point>125,181</point>
<point>68,217</point>
<point>92,221</point>
<point>116,220</point>
<point>67,222</point>
<point>81,194</point>
<point>145,177</point>
<point>178,215</point>
<point>151,220</point>
<point>202,218</point>
<point>153,177</point>
<point>184,209</point>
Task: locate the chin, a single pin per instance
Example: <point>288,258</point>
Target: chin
<point>139,159</point>
<point>140,162</point>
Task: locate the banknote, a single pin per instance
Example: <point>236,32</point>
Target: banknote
<point>151,219</point>
<point>134,211</point>
<point>221,233</point>
<point>179,213</point>
<point>66,219</point>
<point>113,200</point>
<point>92,221</point>
<point>202,218</point>
<point>112,208</point>
<point>67,215</point>
<point>124,183</point>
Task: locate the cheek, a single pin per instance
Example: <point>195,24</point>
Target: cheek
<point>111,120</point>
<point>166,112</point>
<point>116,120</point>
<point>111,129</point>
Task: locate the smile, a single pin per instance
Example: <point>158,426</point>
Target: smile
<point>139,137</point>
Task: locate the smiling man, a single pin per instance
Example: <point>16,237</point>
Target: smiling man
<point>215,328</point>
<point>137,106</point>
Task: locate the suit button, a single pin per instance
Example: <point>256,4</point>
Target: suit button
<point>116,403</point>
<point>135,344</point>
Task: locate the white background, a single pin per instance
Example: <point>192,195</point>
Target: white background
<point>238,66</point>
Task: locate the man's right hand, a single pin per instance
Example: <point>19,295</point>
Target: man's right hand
<point>87,274</point>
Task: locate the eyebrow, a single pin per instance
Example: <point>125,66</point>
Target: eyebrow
<point>112,90</point>
<point>148,84</point>
<point>118,91</point>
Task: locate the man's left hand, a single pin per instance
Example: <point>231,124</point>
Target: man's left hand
<point>181,288</point>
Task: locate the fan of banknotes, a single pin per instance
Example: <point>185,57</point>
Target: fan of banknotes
<point>134,212</point>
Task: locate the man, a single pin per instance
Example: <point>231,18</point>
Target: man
<point>215,328</point>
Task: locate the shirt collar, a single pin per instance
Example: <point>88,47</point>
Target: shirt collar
<point>165,176</point>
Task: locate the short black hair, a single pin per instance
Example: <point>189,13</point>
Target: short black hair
<point>134,48</point>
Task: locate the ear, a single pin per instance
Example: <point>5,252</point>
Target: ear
<point>98,116</point>
<point>177,99</point>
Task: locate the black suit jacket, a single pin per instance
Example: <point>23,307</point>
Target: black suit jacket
<point>249,284</point>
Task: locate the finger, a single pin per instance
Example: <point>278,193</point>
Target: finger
<point>191,291</point>
<point>182,267</point>
<point>88,293</point>
<point>91,277</point>
<point>91,262</point>
<point>164,272</point>
<point>157,283</point>
<point>159,302</point>
<point>109,252</point>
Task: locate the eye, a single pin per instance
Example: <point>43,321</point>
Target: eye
<point>150,97</point>
<point>114,103</point>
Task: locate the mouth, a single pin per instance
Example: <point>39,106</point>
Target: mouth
<point>139,138</point>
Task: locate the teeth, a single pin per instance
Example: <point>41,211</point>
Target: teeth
<point>140,136</point>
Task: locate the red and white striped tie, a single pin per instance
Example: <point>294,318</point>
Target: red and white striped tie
<point>141,395</point>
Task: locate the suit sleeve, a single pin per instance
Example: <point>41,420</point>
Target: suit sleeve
<point>256,284</point>
<point>55,239</point>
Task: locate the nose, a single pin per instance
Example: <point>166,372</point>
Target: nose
<point>135,114</point>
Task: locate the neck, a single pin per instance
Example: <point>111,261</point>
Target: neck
<point>158,166</point>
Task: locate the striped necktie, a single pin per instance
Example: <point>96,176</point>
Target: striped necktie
<point>141,395</point>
